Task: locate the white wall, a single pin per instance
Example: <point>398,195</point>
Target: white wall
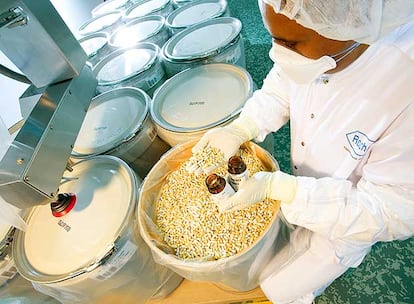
<point>74,13</point>
<point>10,90</point>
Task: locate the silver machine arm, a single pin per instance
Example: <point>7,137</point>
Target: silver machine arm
<point>37,40</point>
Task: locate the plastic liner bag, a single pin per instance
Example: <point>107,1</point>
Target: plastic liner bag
<point>21,291</point>
<point>139,280</point>
<point>241,271</point>
<point>11,215</point>
<point>5,139</point>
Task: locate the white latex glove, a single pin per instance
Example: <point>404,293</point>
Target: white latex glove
<point>228,139</point>
<point>274,185</point>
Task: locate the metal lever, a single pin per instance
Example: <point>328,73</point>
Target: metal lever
<point>13,17</point>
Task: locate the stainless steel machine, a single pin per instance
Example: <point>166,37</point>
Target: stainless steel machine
<point>36,39</point>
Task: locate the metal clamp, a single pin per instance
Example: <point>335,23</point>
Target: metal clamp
<point>13,17</point>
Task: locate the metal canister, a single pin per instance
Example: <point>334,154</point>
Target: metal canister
<point>195,12</point>
<point>96,46</point>
<point>149,7</point>
<point>151,28</point>
<point>107,22</point>
<point>179,3</point>
<point>215,40</point>
<point>108,6</point>
<point>118,123</point>
<point>136,66</point>
<point>198,99</point>
<point>81,254</point>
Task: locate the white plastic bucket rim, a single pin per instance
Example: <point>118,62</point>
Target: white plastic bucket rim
<point>117,104</point>
<point>93,43</point>
<point>145,27</point>
<point>148,50</point>
<point>100,23</point>
<point>195,12</point>
<point>118,174</point>
<point>178,152</point>
<point>242,85</point>
<point>177,47</point>
<point>147,7</point>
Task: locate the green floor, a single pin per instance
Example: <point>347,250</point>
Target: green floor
<point>387,273</point>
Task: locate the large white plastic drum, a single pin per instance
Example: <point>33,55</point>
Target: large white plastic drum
<point>195,12</point>
<point>96,46</point>
<point>198,99</point>
<point>92,250</point>
<point>150,28</point>
<point>149,7</point>
<point>118,123</point>
<point>215,40</point>
<point>137,66</point>
<point>107,22</point>
<point>7,268</point>
<point>109,6</point>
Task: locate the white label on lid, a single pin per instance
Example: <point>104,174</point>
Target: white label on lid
<point>116,262</point>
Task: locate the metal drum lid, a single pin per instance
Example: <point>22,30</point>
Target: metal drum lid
<point>100,23</point>
<point>112,118</point>
<point>92,43</point>
<point>137,30</point>
<point>196,12</point>
<point>55,248</point>
<point>126,63</point>
<point>203,39</point>
<point>202,97</point>
<point>146,7</point>
<point>108,6</point>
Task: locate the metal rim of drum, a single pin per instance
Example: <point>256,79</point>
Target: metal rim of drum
<point>92,36</point>
<point>96,10</point>
<point>18,243</point>
<point>142,45</point>
<point>179,3</point>
<point>201,58</point>
<point>136,20</point>
<point>178,78</point>
<point>153,12</point>
<point>170,19</point>
<point>82,30</point>
<point>226,44</point>
<point>110,95</point>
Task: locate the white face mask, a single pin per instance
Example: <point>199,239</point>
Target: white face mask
<point>301,69</point>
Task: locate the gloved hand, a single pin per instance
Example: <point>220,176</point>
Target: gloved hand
<point>228,139</point>
<point>274,185</point>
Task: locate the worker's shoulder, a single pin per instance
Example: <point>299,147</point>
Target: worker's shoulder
<point>403,39</point>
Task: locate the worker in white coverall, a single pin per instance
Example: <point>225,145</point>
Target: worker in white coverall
<point>343,74</point>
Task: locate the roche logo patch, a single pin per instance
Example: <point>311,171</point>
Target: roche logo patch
<point>359,143</point>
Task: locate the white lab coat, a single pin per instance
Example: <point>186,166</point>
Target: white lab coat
<point>352,150</point>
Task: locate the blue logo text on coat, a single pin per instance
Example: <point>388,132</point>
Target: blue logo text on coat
<point>359,143</point>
